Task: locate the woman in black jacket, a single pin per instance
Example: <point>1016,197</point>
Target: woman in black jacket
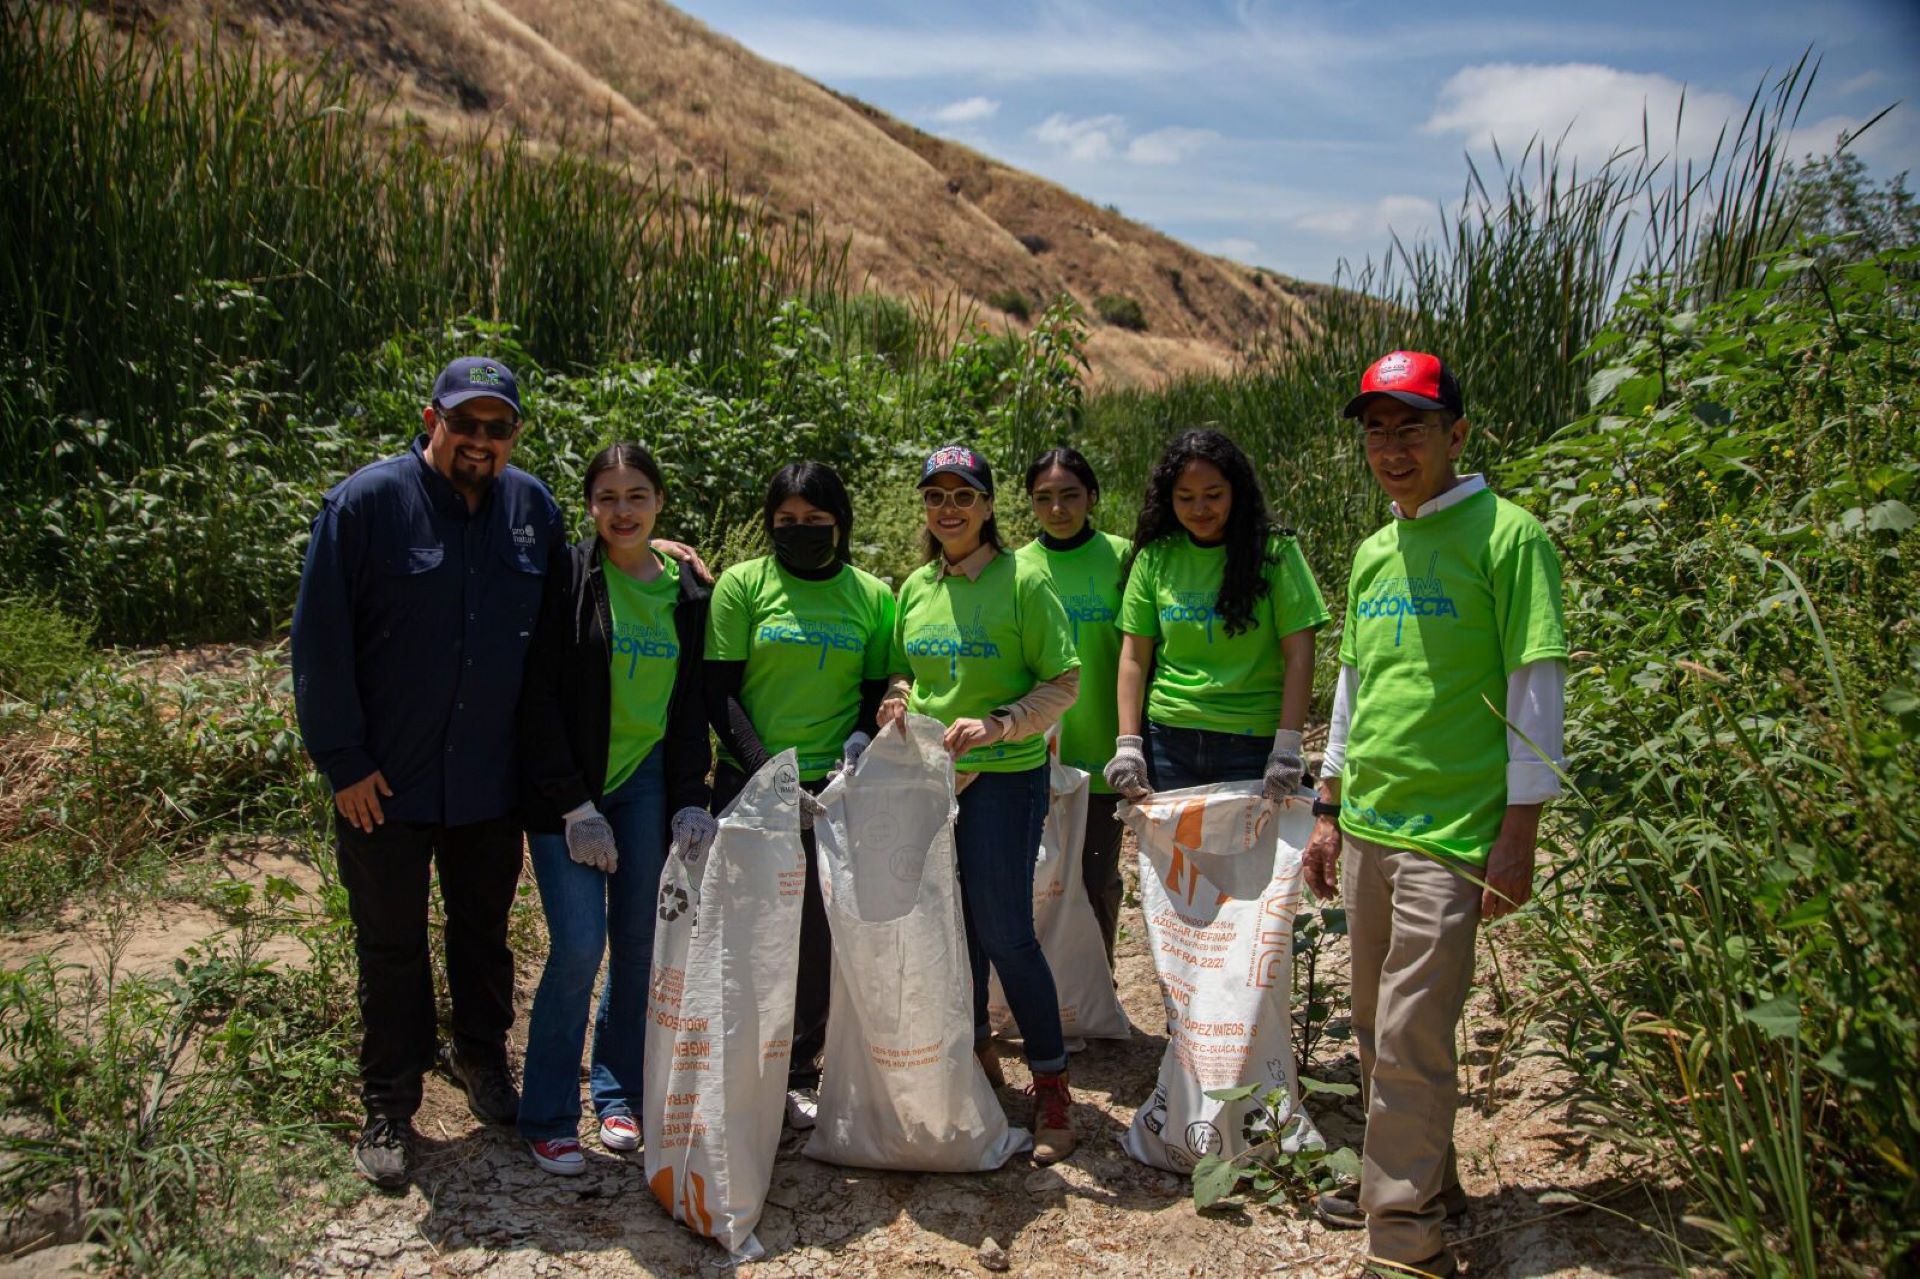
<point>613,737</point>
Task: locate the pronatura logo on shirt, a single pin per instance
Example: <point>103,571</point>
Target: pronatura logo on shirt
<point>805,632</point>
<point>524,536</point>
<point>1404,823</point>
<point>938,639</point>
<point>634,641</point>
<point>1090,607</point>
<point>1402,597</point>
<point>1191,606</point>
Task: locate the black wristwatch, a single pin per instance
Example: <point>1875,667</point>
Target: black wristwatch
<point>1321,808</point>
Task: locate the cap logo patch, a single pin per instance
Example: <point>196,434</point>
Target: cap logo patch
<point>952,456</point>
<point>483,375</point>
<point>1391,369</point>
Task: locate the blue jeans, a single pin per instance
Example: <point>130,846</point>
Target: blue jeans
<point>997,838</point>
<point>1181,757</point>
<point>591,915</point>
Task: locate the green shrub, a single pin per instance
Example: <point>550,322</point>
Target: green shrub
<point>1120,311</point>
<point>41,647</point>
<point>1738,971</point>
<point>1011,302</point>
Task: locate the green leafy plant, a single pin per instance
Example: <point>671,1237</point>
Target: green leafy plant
<point>1266,1173</point>
<point>1120,311</point>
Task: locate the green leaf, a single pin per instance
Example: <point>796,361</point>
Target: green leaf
<point>1343,1163</point>
<point>1779,1017</point>
<point>1214,1179</point>
<point>1891,516</point>
<point>1601,386</point>
<point>1309,1084</point>
<point>1807,912</point>
<point>1239,1092</point>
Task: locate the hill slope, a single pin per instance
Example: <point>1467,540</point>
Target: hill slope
<point>650,85</point>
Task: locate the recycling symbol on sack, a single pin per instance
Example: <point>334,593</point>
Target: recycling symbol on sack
<point>673,902</point>
<point>1256,1127</point>
<point>1156,1117</point>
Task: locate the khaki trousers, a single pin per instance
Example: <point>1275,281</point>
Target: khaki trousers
<point>1411,922</point>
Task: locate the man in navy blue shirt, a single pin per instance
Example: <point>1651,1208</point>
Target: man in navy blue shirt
<point>422,582</point>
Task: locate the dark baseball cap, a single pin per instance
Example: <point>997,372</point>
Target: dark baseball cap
<point>472,376</point>
<point>1411,377</point>
<point>958,459</point>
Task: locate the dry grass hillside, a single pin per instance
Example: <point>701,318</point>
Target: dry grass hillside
<point>652,86</point>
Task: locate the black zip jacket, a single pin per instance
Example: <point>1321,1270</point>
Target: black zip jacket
<point>566,708</point>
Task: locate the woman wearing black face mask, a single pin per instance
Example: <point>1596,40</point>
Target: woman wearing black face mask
<point>797,646</point>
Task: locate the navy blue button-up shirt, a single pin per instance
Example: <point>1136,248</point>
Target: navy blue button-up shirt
<point>411,633</point>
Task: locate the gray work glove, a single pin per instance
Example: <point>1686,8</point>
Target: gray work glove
<point>850,753</point>
<point>694,830</point>
<point>590,839</point>
<point>1126,772</point>
<point>810,808</point>
<point>1286,768</point>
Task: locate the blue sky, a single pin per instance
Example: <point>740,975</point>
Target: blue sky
<point>1291,135</point>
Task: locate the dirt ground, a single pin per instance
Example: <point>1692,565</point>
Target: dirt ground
<point>1546,1200</point>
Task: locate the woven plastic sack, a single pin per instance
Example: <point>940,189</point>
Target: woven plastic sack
<point>720,1012</point>
<point>1069,932</point>
<point>899,1085</point>
<point>1220,883</point>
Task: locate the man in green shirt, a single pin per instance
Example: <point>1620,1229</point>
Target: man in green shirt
<point>1430,803</point>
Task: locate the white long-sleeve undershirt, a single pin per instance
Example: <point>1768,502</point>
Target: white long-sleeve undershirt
<point>1536,708</point>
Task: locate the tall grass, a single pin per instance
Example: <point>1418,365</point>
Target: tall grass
<point>1511,292</point>
<point>165,214</point>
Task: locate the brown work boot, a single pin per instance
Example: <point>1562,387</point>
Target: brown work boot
<point>1053,1138</point>
<point>990,1063</point>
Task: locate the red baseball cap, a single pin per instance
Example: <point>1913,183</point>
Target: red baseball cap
<point>1411,377</point>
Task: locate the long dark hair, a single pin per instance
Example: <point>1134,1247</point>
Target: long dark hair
<point>1249,528</point>
<point>819,485</point>
<point>615,456</point>
<point>1069,460</point>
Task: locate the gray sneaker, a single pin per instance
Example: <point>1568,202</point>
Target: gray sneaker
<point>384,1152</point>
<point>491,1095</point>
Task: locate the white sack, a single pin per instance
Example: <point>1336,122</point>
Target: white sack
<point>1220,884</point>
<point>720,1012</point>
<point>899,1086</point>
<point>1064,919</point>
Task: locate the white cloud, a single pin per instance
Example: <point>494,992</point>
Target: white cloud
<point>1092,138</point>
<point>968,110</point>
<point>1409,215</point>
<point>1168,146</point>
<point>1590,111</point>
<point>1235,247</point>
<point>1865,80</point>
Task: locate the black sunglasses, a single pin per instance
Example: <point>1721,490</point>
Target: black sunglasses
<point>494,428</point>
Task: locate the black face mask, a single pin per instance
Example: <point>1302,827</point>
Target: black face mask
<point>806,547</point>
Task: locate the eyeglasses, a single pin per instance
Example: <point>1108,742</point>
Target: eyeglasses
<point>961,499</point>
<point>1410,436</point>
<point>494,428</point>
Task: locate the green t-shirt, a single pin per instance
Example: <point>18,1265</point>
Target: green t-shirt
<point>1202,676</point>
<point>1087,579</point>
<point>807,646</point>
<point>646,657</point>
<point>975,646</point>
<point>1440,610</point>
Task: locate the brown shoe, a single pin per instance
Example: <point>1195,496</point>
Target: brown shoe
<point>990,1063</point>
<point>1053,1138</point>
<point>1339,1209</point>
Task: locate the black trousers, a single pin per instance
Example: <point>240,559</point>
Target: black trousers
<point>813,985</point>
<point>1100,867</point>
<point>387,876</point>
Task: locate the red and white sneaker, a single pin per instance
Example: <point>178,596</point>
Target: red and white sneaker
<point>619,1132</point>
<point>561,1156</point>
